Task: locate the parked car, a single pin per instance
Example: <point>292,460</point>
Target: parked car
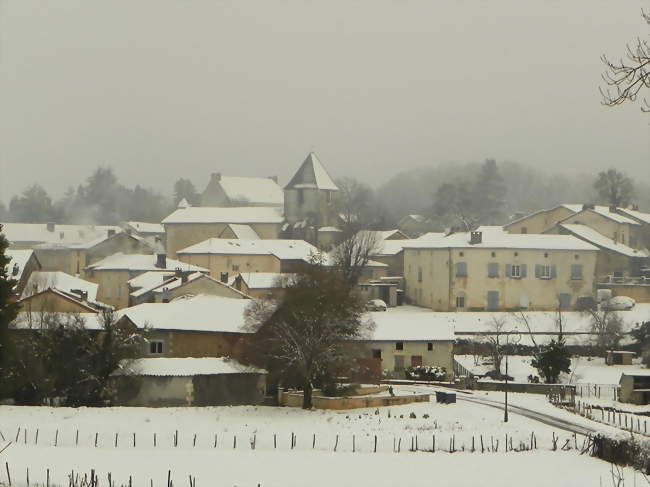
<point>619,303</point>
<point>376,305</point>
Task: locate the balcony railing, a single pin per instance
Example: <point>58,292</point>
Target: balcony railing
<point>612,279</point>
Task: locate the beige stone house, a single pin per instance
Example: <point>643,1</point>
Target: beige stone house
<point>498,271</point>
<point>226,258</point>
<point>191,225</point>
<point>543,220</point>
<point>73,258</point>
<point>162,287</point>
<point>52,300</point>
<point>260,285</point>
<point>27,235</point>
<point>407,337</point>
<point>114,273</point>
<point>199,326</point>
<point>242,191</point>
<point>41,280</point>
<point>615,259</point>
<point>609,222</point>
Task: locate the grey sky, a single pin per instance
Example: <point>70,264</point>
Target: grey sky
<point>161,89</point>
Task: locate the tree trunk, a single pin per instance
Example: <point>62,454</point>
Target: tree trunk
<point>306,395</point>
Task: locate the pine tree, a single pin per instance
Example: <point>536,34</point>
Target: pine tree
<point>551,360</point>
<point>8,304</point>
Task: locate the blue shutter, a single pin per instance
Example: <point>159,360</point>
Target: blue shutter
<point>553,271</point>
<point>508,270</point>
<point>538,271</point>
<point>524,270</point>
<point>492,300</point>
<point>576,272</point>
<point>493,269</point>
<point>461,269</point>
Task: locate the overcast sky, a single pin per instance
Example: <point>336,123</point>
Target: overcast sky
<point>160,89</point>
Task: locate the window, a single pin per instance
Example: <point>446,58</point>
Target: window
<point>460,301</point>
<point>399,345</point>
<point>516,254</point>
<point>301,197</point>
<point>376,353</point>
<point>419,274</point>
<point>494,254</point>
<point>546,254</point>
<point>576,272</point>
<point>544,271</point>
<point>615,237</point>
<point>493,269</point>
<point>235,267</point>
<point>430,346</point>
<point>462,254</point>
<point>516,271</point>
<point>416,360</point>
<point>461,269</point>
<point>155,347</point>
<point>524,230</point>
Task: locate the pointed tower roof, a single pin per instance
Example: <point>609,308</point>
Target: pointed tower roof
<point>311,175</point>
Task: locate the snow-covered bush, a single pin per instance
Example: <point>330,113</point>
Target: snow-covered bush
<point>426,372</point>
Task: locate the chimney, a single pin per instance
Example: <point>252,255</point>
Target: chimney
<point>161,261</point>
<point>14,271</point>
<point>81,293</point>
<point>50,226</point>
<point>178,272</point>
<point>274,179</point>
<point>185,277</point>
<point>111,232</point>
<point>224,277</point>
<point>475,238</point>
<point>612,209</point>
<point>588,206</point>
<point>216,176</point>
<point>635,207</point>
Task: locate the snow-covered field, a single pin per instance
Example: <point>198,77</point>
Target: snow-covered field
<point>590,370</point>
<point>254,458</point>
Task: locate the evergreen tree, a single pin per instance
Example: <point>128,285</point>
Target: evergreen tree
<point>614,188</point>
<point>489,195</point>
<point>552,359</point>
<point>184,188</point>
<point>8,306</point>
<point>34,205</point>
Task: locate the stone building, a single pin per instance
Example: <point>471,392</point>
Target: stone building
<point>242,191</point>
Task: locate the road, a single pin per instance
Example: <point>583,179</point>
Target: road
<point>513,409</point>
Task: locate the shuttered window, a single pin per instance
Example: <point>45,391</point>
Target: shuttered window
<point>493,269</point>
<point>461,269</point>
<point>576,272</point>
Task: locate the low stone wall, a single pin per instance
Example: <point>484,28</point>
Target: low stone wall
<point>525,387</point>
<point>294,399</point>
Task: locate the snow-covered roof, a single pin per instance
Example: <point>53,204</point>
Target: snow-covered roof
<point>329,229</point>
<point>19,258</point>
<point>253,190</point>
<point>639,215</point>
<point>406,323</point>
<point>184,367</point>
<point>146,227</point>
<point>312,175</point>
<point>592,236</point>
<point>197,313</point>
<point>244,231</point>
<point>574,207</point>
<point>495,240</point>
<point>160,282</point>
<point>35,319</point>
<point>58,234</point>
<point>227,246</point>
<point>265,280</point>
<point>140,262</point>
<point>282,249</point>
<point>417,218</point>
<point>236,214</point>
<point>612,215</point>
<point>41,280</point>
<point>391,247</point>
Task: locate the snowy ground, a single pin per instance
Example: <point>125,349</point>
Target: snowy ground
<point>588,370</point>
<point>308,463</point>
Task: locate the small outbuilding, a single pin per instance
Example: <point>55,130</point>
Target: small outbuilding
<point>635,387</point>
<point>619,357</point>
<point>163,382</point>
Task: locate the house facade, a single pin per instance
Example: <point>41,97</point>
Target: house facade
<point>464,271</point>
<point>543,220</point>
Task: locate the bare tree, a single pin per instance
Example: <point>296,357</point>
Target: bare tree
<point>352,255</point>
<point>626,78</point>
<point>607,325</point>
<point>305,338</point>
<point>497,326</point>
<point>524,319</point>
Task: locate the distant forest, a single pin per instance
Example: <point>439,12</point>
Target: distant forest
<point>450,195</point>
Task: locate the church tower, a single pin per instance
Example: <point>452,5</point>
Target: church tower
<point>310,199</point>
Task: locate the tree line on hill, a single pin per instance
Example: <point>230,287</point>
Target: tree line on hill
<point>450,195</point>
